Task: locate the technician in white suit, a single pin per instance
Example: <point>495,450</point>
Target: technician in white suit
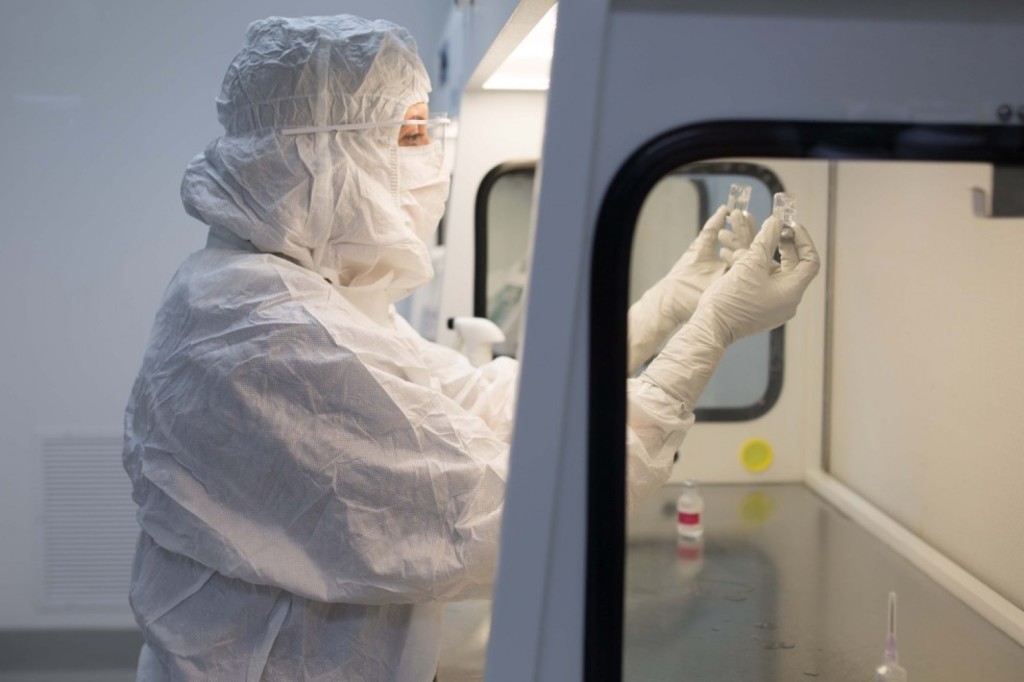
<point>314,479</point>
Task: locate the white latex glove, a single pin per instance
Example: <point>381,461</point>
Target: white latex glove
<point>737,240</point>
<point>674,298</point>
<point>757,294</point>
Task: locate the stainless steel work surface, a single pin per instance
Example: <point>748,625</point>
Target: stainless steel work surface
<point>785,587</point>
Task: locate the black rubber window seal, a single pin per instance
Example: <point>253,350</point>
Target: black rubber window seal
<point>606,470</point>
<point>776,339</point>
<point>483,194</point>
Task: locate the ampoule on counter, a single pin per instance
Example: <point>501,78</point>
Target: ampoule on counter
<point>690,511</point>
<point>891,670</point>
<point>784,210</point>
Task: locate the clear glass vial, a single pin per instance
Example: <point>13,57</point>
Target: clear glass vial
<point>739,197</point>
<point>784,210</point>
<point>690,511</point>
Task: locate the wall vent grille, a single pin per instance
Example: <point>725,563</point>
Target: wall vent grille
<point>89,526</point>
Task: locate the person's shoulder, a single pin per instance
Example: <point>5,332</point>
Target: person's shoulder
<point>241,269</point>
<point>223,282</point>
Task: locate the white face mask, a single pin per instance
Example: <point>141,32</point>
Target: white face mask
<point>423,187</point>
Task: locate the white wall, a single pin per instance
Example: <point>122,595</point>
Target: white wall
<point>494,128</point>
<point>928,377</point>
<point>103,103</point>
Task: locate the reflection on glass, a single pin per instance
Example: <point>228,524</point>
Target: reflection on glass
<point>921,311</point>
<point>667,226</point>
<point>694,606</point>
<point>672,215</point>
<point>668,222</point>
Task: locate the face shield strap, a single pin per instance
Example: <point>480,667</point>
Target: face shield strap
<point>439,120</point>
<point>434,158</point>
<point>438,128</point>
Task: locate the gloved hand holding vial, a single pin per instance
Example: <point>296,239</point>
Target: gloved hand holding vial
<point>756,295</point>
<point>738,238</point>
<point>672,300</point>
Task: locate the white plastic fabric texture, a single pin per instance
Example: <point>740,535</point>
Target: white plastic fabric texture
<point>311,483</point>
<point>311,486</point>
<point>424,186</point>
<point>314,479</point>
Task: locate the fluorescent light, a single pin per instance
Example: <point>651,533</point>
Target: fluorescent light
<point>529,65</point>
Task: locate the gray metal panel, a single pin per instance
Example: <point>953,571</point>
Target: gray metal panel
<point>536,636</point>
<point>980,11</point>
<point>89,527</point>
<point>669,70</point>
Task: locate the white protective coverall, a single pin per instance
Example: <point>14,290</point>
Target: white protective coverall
<point>314,479</point>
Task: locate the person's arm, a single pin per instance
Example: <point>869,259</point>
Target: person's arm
<point>756,295</point>
<point>488,391</point>
<point>672,300</point>
<point>286,451</point>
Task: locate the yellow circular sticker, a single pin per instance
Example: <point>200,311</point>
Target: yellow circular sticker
<point>756,455</point>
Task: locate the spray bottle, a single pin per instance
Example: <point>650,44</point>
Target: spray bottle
<point>477,336</point>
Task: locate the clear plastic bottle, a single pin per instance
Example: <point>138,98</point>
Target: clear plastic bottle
<point>690,511</point>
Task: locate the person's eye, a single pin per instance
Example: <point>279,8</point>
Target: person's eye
<point>412,139</point>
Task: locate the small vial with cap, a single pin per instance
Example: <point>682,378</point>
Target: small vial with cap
<point>739,197</point>
<point>690,511</point>
<point>784,210</point>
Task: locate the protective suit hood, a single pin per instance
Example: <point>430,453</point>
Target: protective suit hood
<point>328,201</point>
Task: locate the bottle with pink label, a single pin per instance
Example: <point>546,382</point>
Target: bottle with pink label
<point>690,511</point>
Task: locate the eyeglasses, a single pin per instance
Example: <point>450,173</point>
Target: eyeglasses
<point>410,133</point>
<point>426,129</point>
